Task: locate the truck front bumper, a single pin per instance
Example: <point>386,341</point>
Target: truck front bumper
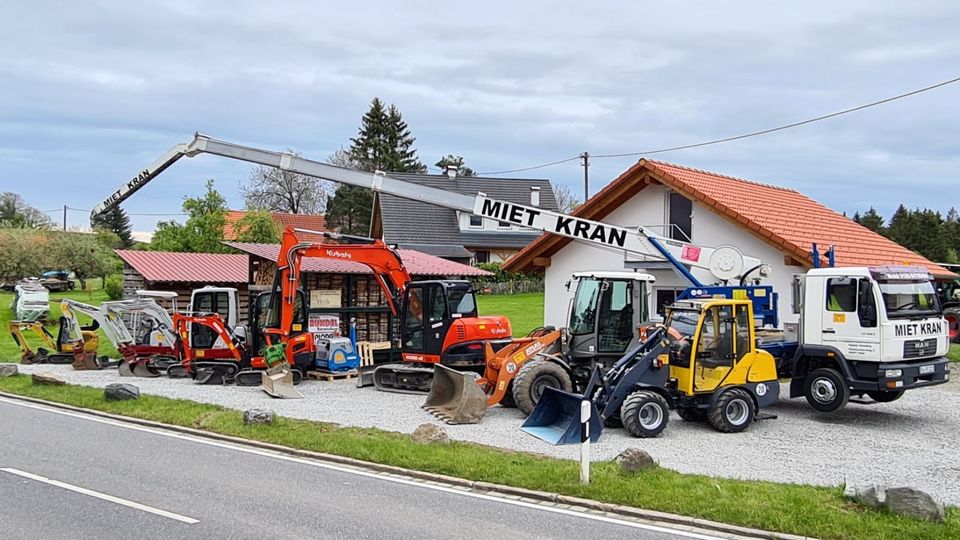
<point>901,375</point>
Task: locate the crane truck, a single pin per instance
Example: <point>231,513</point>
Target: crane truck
<point>825,348</point>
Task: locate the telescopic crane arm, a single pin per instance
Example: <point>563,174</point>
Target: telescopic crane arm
<point>724,263</point>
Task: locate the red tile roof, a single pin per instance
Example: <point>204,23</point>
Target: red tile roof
<point>784,218</point>
<point>313,222</point>
<point>187,267</point>
<point>417,263</point>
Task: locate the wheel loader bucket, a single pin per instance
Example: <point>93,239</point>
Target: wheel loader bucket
<point>556,418</point>
<point>278,383</point>
<point>455,397</point>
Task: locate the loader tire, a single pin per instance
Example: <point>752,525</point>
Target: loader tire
<point>534,376</point>
<point>952,316</point>
<point>645,414</point>
<point>507,399</point>
<point>732,412</point>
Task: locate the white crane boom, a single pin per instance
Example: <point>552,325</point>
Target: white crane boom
<point>724,263</point>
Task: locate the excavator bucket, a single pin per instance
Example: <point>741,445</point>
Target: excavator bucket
<point>278,383</point>
<point>85,361</point>
<point>556,418</point>
<point>455,397</point>
<point>142,369</point>
<point>125,369</point>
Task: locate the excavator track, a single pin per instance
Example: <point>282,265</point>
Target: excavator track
<point>403,378</point>
<point>214,372</point>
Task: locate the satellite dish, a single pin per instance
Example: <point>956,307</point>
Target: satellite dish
<point>726,263</point>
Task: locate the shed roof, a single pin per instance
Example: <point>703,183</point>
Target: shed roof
<point>169,266</point>
<point>417,263</point>
<point>784,218</point>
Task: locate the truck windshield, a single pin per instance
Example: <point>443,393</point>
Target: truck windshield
<point>910,299</point>
<point>683,321</point>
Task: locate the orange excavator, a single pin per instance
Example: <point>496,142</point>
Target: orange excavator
<point>438,318</point>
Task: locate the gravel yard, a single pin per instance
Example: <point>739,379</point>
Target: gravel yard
<point>913,441</point>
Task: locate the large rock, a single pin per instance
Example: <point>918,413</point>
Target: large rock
<point>635,459</point>
<point>257,416</point>
<point>8,370</point>
<point>913,502</point>
<point>872,495</point>
<point>45,377</point>
<point>430,433</point>
<point>121,392</point>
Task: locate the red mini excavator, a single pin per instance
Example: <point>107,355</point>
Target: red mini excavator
<point>438,319</point>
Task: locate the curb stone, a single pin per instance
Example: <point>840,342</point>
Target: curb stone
<point>478,486</point>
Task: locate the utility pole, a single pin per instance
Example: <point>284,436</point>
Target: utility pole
<point>585,157</point>
<point>64,217</point>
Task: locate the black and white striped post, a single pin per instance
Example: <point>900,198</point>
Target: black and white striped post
<point>585,441</point>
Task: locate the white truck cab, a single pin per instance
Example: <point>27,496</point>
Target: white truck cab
<point>875,331</point>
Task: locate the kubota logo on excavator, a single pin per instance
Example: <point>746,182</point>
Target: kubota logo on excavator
<point>338,254</point>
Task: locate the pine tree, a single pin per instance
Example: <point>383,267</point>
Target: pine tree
<point>384,143</point>
<point>871,220</point>
<point>116,221</point>
<point>457,161</point>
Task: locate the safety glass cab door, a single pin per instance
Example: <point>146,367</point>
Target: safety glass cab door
<point>715,351</point>
<point>850,317</point>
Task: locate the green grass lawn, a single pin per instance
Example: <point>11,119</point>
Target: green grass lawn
<point>954,353</point>
<point>525,311</point>
<point>9,350</point>
<point>800,509</point>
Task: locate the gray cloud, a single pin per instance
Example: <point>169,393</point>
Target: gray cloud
<point>89,94</point>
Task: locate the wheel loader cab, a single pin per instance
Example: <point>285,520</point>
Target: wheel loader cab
<point>716,348</point>
<point>604,314</point>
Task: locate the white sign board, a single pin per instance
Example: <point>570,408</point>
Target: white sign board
<point>325,298</point>
<point>324,325</point>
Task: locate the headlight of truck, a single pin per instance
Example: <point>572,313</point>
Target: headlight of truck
<point>892,373</point>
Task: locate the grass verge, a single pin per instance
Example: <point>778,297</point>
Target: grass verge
<point>798,509</point>
<point>954,353</point>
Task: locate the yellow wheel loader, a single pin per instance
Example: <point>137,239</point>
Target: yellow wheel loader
<point>55,350</point>
<point>702,362</point>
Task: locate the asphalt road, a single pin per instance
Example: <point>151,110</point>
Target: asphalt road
<point>68,475</point>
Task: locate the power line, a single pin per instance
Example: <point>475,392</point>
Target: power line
<point>745,135</point>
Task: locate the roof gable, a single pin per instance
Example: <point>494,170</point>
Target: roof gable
<point>782,217</point>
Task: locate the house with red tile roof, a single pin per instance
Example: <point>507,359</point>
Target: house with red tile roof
<point>775,224</point>
<point>312,222</point>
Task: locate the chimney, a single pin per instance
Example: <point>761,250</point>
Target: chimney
<point>452,171</point>
<point>534,195</point>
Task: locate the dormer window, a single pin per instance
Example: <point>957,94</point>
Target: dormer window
<point>504,224</point>
<point>476,221</point>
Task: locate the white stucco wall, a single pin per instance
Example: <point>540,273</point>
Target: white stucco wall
<point>647,208</point>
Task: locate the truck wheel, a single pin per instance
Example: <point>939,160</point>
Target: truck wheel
<point>826,391</point>
<point>952,315</point>
<point>645,413</point>
<point>732,412</point>
<point>692,414</point>
<point>534,376</point>
<point>887,396</point>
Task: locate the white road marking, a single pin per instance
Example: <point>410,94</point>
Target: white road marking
<point>349,470</point>
<point>103,496</point>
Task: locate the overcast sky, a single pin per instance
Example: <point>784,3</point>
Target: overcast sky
<point>91,93</point>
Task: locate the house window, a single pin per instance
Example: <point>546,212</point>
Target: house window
<point>482,257</point>
<point>476,221</point>
<point>503,224</point>
<point>679,216</point>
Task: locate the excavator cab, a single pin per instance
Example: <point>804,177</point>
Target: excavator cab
<point>604,314</point>
<point>430,310</point>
